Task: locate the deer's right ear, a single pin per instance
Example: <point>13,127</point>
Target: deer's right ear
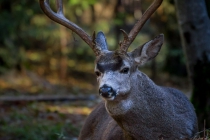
<point>148,51</point>
<point>101,41</point>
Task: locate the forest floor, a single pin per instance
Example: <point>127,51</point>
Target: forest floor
<point>25,119</point>
<point>52,119</point>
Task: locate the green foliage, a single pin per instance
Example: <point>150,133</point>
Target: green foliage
<point>26,123</point>
<point>174,61</point>
<point>25,31</point>
<point>15,19</point>
<point>81,3</point>
<point>32,131</point>
<point>30,40</point>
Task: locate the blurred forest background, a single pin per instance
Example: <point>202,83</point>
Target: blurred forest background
<point>47,81</point>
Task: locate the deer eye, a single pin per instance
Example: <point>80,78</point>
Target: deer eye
<point>98,73</point>
<point>124,70</point>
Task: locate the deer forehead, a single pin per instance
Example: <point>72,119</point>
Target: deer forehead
<point>111,62</point>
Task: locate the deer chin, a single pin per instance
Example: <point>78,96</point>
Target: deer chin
<point>109,96</point>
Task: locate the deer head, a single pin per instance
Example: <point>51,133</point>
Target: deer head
<point>113,68</point>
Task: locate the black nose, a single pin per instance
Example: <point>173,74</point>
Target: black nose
<point>106,91</point>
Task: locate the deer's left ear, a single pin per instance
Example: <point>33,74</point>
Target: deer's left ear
<point>147,51</point>
<point>101,41</point>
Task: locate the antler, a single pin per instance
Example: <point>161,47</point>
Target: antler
<point>128,38</point>
<point>60,18</point>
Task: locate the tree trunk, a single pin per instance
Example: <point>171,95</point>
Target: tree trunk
<point>194,26</point>
<point>208,7</point>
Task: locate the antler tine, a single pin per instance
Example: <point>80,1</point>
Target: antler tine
<point>59,4</point>
<point>60,18</point>
<point>139,24</point>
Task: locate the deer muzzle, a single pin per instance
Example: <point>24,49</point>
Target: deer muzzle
<point>107,92</point>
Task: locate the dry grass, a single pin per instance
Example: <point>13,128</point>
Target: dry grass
<point>205,133</point>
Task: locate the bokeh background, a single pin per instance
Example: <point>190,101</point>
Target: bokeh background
<point>47,80</point>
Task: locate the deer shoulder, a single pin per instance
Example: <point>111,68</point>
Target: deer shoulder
<point>100,126</point>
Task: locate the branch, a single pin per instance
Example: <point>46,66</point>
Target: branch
<point>46,98</point>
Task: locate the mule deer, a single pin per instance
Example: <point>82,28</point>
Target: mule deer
<point>134,107</point>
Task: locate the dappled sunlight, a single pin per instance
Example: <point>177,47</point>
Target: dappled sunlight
<point>12,80</point>
<point>47,81</point>
<point>48,119</point>
<point>65,109</point>
<point>28,82</point>
<point>4,84</point>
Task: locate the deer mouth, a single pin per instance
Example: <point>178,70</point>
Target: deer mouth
<point>108,96</point>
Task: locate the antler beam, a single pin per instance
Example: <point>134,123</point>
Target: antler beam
<point>60,18</point>
<point>139,24</point>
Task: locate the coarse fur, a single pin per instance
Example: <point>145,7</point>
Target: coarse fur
<point>139,109</point>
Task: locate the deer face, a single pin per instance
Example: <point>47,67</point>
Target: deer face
<point>115,70</point>
<point>113,74</point>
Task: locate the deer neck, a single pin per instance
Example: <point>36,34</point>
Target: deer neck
<point>141,87</point>
<point>128,111</point>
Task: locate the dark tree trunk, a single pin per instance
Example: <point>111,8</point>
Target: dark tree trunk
<point>208,7</point>
<point>194,26</point>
